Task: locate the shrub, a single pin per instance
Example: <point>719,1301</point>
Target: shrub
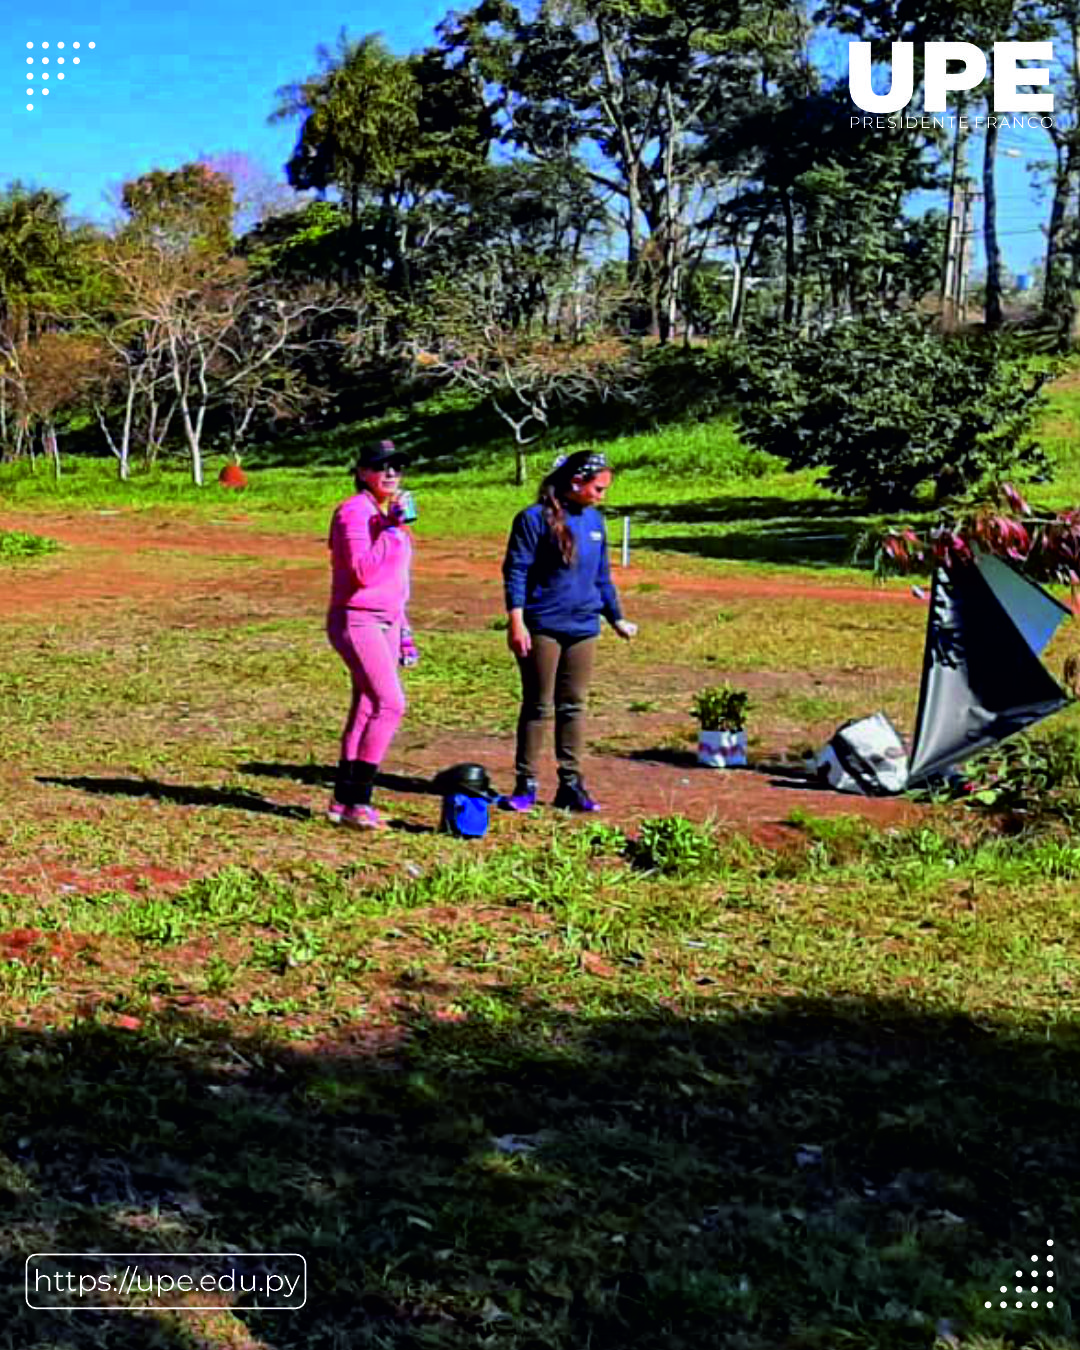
<point>671,844</point>
<point>15,544</point>
<point>1034,780</point>
<point>885,405</point>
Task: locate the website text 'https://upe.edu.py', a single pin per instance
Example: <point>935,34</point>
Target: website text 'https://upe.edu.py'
<point>81,1281</point>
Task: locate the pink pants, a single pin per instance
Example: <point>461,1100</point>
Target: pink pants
<point>370,649</point>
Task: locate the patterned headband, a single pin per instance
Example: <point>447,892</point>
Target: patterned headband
<point>583,464</point>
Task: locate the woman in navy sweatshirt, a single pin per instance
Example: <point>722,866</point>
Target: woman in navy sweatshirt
<point>558,584</point>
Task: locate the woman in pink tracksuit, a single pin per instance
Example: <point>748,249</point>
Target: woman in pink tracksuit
<point>370,553</point>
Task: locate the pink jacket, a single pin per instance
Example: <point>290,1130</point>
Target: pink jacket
<point>370,560</point>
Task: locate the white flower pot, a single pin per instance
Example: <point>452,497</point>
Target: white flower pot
<point>721,749</point>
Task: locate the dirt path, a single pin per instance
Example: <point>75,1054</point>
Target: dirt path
<point>758,800</point>
<point>113,567</point>
<point>118,558</point>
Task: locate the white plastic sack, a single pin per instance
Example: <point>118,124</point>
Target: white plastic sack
<point>866,756</point>
<point>833,772</point>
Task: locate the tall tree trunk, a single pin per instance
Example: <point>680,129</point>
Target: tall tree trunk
<point>49,439</point>
<point>194,448</point>
<point>1055,287</point>
<point>789,257</point>
<point>739,286</point>
<point>668,297</point>
<point>994,315</point>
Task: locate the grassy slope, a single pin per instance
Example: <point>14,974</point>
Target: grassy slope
<point>693,490</point>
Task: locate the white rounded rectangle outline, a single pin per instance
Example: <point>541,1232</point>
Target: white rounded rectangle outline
<point>163,1307</point>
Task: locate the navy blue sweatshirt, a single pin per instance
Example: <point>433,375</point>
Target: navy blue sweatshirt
<point>557,598</point>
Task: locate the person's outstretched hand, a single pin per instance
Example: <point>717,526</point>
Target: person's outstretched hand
<point>626,629</point>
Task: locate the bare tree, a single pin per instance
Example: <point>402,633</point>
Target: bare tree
<point>197,323</point>
<point>258,193</point>
<point>526,377</point>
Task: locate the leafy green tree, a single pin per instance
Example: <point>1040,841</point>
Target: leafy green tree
<point>387,132</point>
<point>826,206</point>
<point>42,262</point>
<point>522,227</point>
<point>630,88</point>
<point>182,210</point>
<point>885,405</point>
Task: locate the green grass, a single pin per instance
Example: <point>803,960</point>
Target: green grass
<point>674,1090</point>
<point>692,491</point>
<point>17,546</point>
<point>618,1086</point>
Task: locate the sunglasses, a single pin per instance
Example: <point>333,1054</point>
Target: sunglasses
<point>395,466</point>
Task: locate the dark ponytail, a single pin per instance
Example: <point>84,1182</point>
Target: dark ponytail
<point>585,464</point>
<point>555,516</point>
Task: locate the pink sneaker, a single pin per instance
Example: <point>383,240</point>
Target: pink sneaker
<point>362,818</point>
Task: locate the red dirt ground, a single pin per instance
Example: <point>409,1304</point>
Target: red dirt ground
<point>113,566</point>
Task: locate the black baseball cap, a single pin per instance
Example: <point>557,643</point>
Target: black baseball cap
<point>469,779</point>
<point>379,454</point>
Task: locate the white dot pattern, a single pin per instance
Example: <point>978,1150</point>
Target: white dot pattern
<point>45,62</point>
<point>1034,1288</point>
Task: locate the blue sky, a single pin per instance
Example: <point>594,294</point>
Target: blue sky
<point>165,85</point>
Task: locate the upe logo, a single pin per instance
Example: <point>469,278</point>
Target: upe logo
<point>939,82</point>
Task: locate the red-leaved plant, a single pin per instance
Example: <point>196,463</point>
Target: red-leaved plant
<point>1045,548</point>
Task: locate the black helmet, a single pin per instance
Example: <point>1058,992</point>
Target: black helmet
<point>471,779</point>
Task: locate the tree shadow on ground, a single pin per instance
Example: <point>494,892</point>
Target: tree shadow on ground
<point>662,754</point>
<point>799,1174</point>
<point>181,794</point>
<point>322,775</point>
<point>721,509</point>
<point>796,533</point>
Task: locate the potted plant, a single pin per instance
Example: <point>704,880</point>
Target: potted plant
<point>721,713</point>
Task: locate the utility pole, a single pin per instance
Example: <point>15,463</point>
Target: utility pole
<point>963,263</point>
<point>952,233</point>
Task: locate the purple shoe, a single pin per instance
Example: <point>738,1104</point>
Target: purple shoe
<point>523,797</point>
<point>572,796</point>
